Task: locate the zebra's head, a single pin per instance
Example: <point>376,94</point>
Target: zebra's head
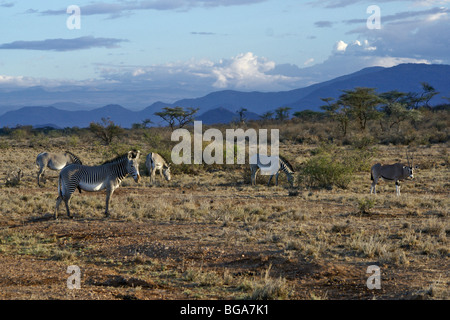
<point>133,165</point>
<point>166,172</point>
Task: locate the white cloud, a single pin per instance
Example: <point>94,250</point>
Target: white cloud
<point>247,71</point>
<point>341,46</point>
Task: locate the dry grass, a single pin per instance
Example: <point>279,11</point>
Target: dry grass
<point>227,239</point>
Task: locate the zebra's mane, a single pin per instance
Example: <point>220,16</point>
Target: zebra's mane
<point>116,159</point>
<point>287,163</point>
<point>77,159</point>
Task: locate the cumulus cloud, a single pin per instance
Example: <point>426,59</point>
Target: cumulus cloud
<point>245,72</point>
<point>80,43</point>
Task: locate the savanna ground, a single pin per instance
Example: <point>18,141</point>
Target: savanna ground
<point>208,234</point>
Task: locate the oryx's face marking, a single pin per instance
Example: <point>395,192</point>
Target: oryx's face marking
<point>133,165</point>
<point>408,172</point>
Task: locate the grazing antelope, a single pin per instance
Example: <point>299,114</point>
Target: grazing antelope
<point>264,164</point>
<point>155,162</point>
<point>106,176</point>
<point>394,172</point>
<point>54,161</point>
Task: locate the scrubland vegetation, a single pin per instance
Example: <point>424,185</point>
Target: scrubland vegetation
<point>208,234</point>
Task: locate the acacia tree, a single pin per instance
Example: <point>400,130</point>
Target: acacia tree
<point>417,100</point>
<point>396,110</point>
<point>362,104</point>
<point>338,112</point>
<point>282,113</point>
<point>177,116</point>
<point>106,131</point>
<point>241,112</point>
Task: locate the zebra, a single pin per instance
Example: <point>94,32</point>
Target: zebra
<point>107,176</point>
<point>394,172</point>
<point>154,162</point>
<point>54,161</point>
<point>283,165</point>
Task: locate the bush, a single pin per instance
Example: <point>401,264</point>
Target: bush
<point>366,205</point>
<point>323,171</point>
<point>331,166</point>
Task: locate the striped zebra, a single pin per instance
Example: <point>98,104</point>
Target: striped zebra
<point>263,164</point>
<point>54,161</point>
<point>106,176</point>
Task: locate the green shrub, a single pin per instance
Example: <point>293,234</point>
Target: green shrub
<point>366,205</point>
<point>331,166</point>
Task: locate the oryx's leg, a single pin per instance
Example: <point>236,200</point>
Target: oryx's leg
<point>374,185</point>
<point>161,174</point>
<point>373,188</point>
<point>397,188</point>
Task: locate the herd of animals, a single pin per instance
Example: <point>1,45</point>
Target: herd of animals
<point>109,175</point>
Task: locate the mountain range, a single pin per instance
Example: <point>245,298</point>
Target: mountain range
<point>221,106</point>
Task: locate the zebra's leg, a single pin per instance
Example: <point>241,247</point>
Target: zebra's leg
<point>67,202</point>
<point>40,174</point>
<point>58,202</point>
<point>253,176</point>
<point>109,193</point>
<point>270,179</point>
<point>152,177</point>
<point>276,178</point>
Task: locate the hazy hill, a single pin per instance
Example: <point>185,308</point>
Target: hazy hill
<point>221,106</point>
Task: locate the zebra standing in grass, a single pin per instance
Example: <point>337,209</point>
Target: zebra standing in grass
<point>155,162</point>
<point>106,176</point>
<point>263,164</point>
<point>54,161</point>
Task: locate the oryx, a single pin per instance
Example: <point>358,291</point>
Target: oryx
<point>154,162</point>
<point>393,172</point>
<point>54,161</point>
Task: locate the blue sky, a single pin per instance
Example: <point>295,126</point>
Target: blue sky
<point>193,47</point>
